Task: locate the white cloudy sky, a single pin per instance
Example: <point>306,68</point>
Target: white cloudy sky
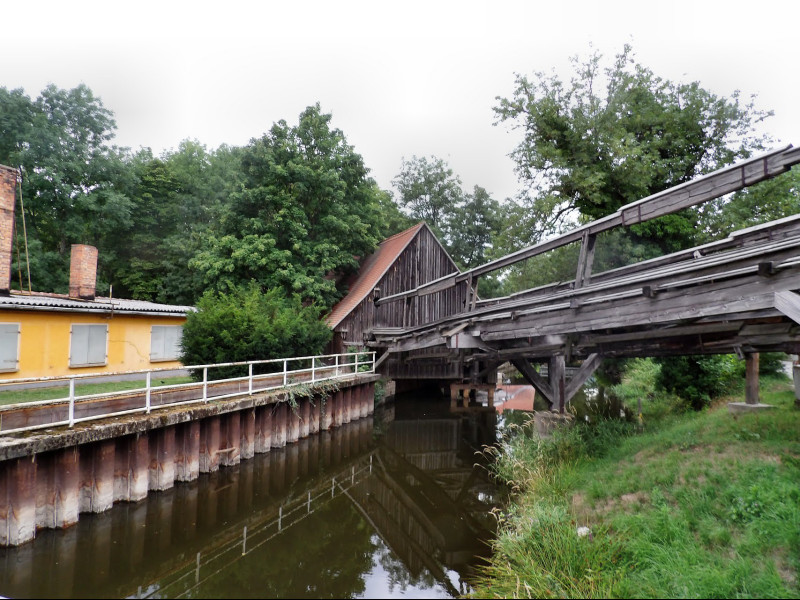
<point>400,78</point>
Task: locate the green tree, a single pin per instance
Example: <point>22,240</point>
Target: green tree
<point>307,211</point>
<point>70,174</point>
<point>428,191</point>
<point>248,323</point>
<point>177,198</point>
<point>613,135</point>
<point>471,227</point>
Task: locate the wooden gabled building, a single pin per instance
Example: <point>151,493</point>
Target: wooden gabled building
<point>402,262</point>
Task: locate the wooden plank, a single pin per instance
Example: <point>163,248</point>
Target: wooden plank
<point>537,381</point>
<point>789,304</point>
<point>585,371</point>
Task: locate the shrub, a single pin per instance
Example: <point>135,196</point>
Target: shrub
<point>697,379</point>
<point>248,324</point>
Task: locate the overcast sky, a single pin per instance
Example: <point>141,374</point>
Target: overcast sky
<point>400,78</point>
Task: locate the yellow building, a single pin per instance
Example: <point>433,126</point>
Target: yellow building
<point>45,335</point>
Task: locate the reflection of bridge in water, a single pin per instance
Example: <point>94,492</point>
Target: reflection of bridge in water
<point>419,491</point>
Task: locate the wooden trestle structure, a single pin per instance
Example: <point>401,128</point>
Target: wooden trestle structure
<point>738,295</point>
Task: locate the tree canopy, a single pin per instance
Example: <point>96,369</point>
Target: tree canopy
<point>615,134</point>
<point>306,211</point>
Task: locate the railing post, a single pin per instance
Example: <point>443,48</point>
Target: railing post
<point>72,401</point>
<point>284,372</point>
<point>372,369</point>
<point>337,365</point>
<point>147,394</point>
<point>250,379</point>
<point>313,367</point>
<point>355,367</point>
<point>205,384</point>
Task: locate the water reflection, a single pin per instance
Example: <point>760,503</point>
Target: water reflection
<point>397,510</point>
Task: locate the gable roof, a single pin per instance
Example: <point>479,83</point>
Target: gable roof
<point>63,303</point>
<point>371,272</point>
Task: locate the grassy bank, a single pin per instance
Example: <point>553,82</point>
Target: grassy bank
<point>12,396</point>
<point>679,504</point>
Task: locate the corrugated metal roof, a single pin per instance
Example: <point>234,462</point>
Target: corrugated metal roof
<point>62,302</point>
<point>371,271</point>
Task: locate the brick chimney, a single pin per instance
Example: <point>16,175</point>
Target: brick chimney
<point>8,196</point>
<point>82,271</point>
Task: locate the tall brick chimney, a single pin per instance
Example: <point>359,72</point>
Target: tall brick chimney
<point>82,271</point>
<point>8,195</point>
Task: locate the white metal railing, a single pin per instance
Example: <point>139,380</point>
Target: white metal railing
<point>282,373</point>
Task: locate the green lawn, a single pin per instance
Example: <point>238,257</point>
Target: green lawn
<point>685,505</point>
<point>81,389</point>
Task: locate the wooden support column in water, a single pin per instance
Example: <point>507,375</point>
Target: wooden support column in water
<point>347,404</point>
<point>263,434</point>
<point>305,417</point>
<point>751,378</point>
<point>161,474</point>
<point>57,481</point>
<point>247,426</point>
<point>279,425</point>
<point>231,438</point>
<point>18,501</point>
<point>132,468</point>
<point>338,407</point>
<point>209,444</point>
<point>293,424</point>
<point>187,451</point>
<point>326,415</point>
<point>97,476</point>
<point>314,416</point>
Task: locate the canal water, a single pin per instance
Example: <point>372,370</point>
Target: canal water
<point>392,506</point>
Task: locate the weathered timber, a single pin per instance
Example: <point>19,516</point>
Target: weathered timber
<point>703,189</point>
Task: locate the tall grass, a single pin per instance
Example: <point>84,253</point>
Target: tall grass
<point>681,504</point>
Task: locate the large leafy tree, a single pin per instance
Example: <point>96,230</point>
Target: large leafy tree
<point>61,144</point>
<point>615,134</point>
<point>429,191</point>
<point>307,211</point>
<point>471,226</point>
<point>177,198</point>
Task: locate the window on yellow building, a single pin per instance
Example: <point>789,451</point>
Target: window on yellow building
<point>88,346</point>
<point>165,342</point>
<point>9,347</point>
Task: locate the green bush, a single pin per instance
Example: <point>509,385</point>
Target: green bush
<point>698,379</point>
<point>248,324</point>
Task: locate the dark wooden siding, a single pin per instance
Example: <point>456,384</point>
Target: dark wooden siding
<point>423,260</point>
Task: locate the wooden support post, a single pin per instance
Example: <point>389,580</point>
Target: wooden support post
<point>209,444</point>
<point>247,427</point>
<point>263,434</point>
<point>556,375</point>
<point>585,260</point>
<point>230,452</point>
<point>132,468</point>
<point>305,417</point>
<point>17,501</point>
<point>751,378</point>
<point>326,408</point>
<point>161,473</point>
<point>293,424</point>
<point>371,399</point>
<point>97,476</point>
<point>187,451</point>
<point>314,417</point>
<point>338,403</point>
<point>279,425</point>
<point>57,482</point>
<point>347,404</point>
